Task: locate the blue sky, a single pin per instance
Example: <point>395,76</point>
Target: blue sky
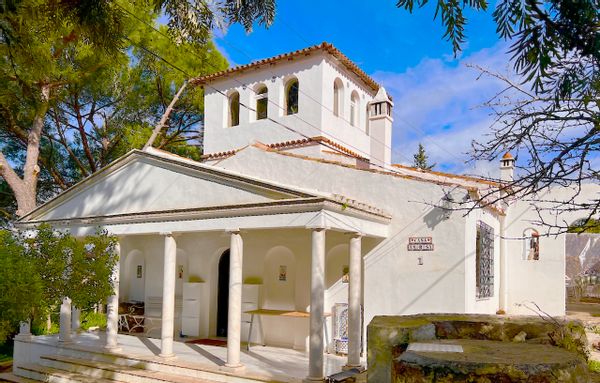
<point>437,96</point>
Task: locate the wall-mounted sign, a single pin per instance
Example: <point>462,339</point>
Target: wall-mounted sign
<point>420,244</point>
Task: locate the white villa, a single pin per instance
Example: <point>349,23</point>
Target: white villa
<point>295,220</point>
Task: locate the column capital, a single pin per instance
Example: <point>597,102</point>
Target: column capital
<point>166,233</point>
<point>318,223</point>
<point>233,230</point>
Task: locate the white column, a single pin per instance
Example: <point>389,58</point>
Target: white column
<point>354,299</point>
<point>64,335</point>
<point>234,315</point>
<point>112,307</point>
<point>317,304</point>
<point>168,303</point>
<point>75,319</point>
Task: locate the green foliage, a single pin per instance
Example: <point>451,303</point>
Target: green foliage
<point>92,319</point>
<point>594,366</point>
<point>21,285</point>
<point>39,326</point>
<point>103,102</point>
<point>80,269</point>
<point>421,159</point>
<point>8,204</point>
<point>585,226</point>
<point>38,269</point>
<point>103,22</point>
<point>6,351</point>
<point>193,20</point>
<point>556,43</point>
<point>452,15</point>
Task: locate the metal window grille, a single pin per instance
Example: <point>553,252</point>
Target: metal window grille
<point>484,260</point>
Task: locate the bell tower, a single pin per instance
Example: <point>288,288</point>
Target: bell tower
<point>380,128</point>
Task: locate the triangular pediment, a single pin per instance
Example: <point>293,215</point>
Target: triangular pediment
<point>142,182</point>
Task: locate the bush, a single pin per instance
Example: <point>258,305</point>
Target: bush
<point>92,319</point>
<point>39,267</point>
<point>20,284</point>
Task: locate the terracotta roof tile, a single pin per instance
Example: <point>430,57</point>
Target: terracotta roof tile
<point>448,175</point>
<point>214,156</point>
<point>324,47</point>
<point>314,141</point>
<point>291,144</point>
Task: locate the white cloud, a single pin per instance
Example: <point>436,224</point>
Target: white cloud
<point>439,103</point>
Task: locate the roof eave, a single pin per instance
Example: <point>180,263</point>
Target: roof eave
<point>298,205</point>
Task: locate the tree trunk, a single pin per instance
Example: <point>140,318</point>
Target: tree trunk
<point>163,120</point>
<point>25,189</point>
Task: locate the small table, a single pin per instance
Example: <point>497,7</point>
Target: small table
<point>279,313</point>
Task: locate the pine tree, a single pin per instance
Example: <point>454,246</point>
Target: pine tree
<point>421,159</point>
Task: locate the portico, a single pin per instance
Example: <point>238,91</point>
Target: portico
<point>283,243</point>
<point>242,249</point>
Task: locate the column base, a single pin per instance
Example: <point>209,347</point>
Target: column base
<point>113,348</point>
<point>233,368</point>
<point>24,337</point>
<point>309,379</point>
<point>167,356</point>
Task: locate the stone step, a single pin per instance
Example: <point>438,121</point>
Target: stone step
<point>130,374</point>
<point>12,378</point>
<point>169,366</point>
<point>39,373</point>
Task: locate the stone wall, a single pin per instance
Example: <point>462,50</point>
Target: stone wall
<point>388,336</point>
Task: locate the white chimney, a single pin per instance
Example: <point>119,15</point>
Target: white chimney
<point>507,168</point>
<point>380,128</point>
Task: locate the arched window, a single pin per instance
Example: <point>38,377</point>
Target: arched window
<point>262,102</point>
<point>338,97</point>
<point>291,97</point>
<point>234,109</point>
<point>531,248</point>
<point>354,108</point>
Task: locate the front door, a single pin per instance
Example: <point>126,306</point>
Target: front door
<point>223,295</point>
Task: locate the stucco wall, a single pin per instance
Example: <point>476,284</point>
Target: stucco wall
<point>541,281</point>
<point>339,128</point>
<point>218,136</point>
<point>394,282</point>
<point>316,75</point>
<point>149,185</point>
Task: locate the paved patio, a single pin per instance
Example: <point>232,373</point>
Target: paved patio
<point>266,362</point>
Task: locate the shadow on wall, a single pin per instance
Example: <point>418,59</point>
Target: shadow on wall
<point>435,217</point>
